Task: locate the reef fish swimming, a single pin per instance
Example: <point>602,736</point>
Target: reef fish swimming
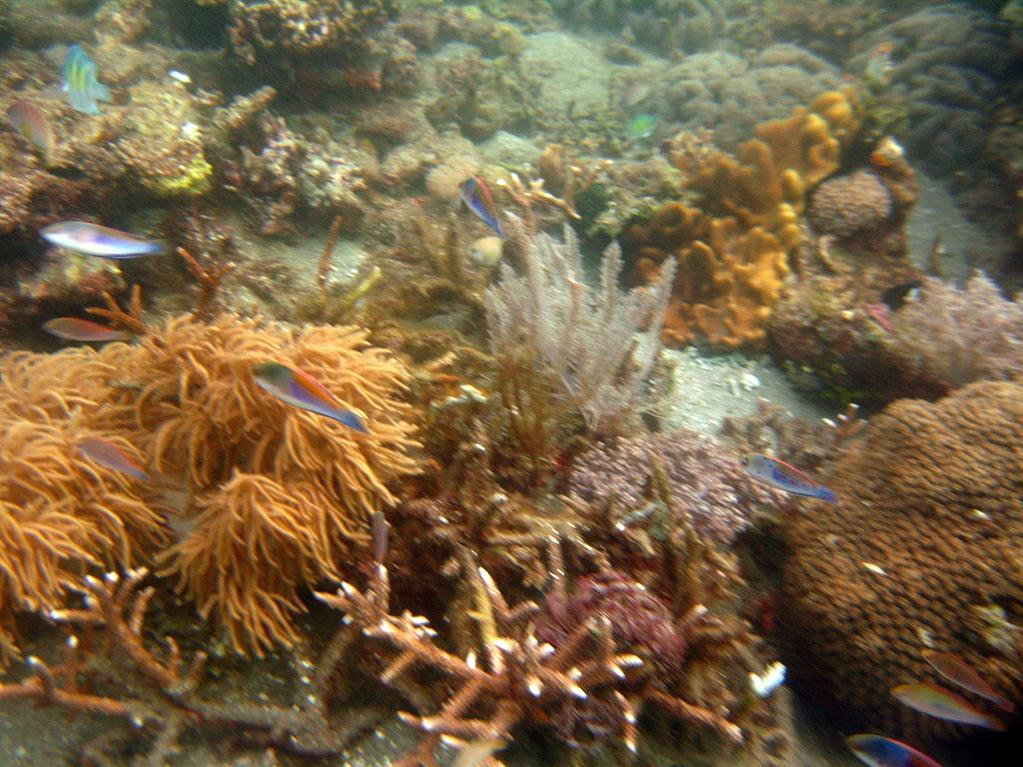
<point>885,752</point>
<point>959,672</point>
<point>102,241</point>
<point>107,454</point>
<point>934,700</point>
<point>303,391</point>
<point>80,84</point>
<point>75,329</point>
<point>478,199</point>
<point>33,125</point>
<point>786,477</point>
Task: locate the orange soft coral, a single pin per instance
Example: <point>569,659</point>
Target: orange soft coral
<point>732,248</point>
<point>276,496</point>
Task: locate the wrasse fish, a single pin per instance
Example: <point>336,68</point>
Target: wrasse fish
<point>885,752</point>
<point>303,391</point>
<point>934,700</point>
<point>102,241</point>
<point>478,199</point>
<point>80,84</point>
<point>33,125</point>
<point>959,672</point>
<point>107,454</point>
<point>786,477</point>
<point>75,329</point>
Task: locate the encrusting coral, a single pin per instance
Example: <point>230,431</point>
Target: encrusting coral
<point>276,497</point>
<point>922,551</point>
<point>708,486</point>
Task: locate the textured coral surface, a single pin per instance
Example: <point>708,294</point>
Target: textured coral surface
<point>933,496</point>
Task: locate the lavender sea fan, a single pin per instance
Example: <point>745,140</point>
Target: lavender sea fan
<point>962,335</point>
<point>593,347</point>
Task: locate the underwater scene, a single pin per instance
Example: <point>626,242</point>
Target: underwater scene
<point>569,383</point>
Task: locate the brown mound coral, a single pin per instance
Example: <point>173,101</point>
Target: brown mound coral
<point>848,205</point>
<point>732,249</point>
<point>276,497</point>
<point>922,551</point>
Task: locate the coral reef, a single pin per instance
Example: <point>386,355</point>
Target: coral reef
<point>163,700</point>
<point>265,28</point>
<point>263,482</point>
<point>587,684</point>
<point>949,65</point>
<point>732,250</point>
<point>731,94</point>
<point>923,543</point>
<point>845,206</point>
<point>668,27</point>
<point>959,335</point>
<point>566,351</point>
<point>708,486</point>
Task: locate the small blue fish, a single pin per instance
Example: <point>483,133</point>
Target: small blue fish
<point>80,84</point>
<point>885,752</point>
<point>478,199</point>
<point>301,390</point>
<point>102,241</point>
<point>786,477</point>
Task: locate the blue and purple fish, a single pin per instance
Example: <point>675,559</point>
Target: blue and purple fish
<point>80,84</point>
<point>102,241</point>
<point>885,752</point>
<point>107,454</point>
<point>478,199</point>
<point>303,391</point>
<point>786,477</point>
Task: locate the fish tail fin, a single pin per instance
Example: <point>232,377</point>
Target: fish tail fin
<point>101,92</point>
<point>827,495</point>
<point>351,420</point>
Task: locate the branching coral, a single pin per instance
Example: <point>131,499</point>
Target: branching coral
<point>516,679</point>
<point>158,694</point>
<point>267,483</point>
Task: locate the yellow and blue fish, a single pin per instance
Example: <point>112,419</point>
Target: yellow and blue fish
<point>80,84</point>
<point>301,390</point>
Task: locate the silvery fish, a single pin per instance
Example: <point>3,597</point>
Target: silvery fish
<point>301,390</point>
<point>80,84</point>
<point>33,125</point>
<point>934,700</point>
<point>96,240</point>
<point>786,477</point>
<point>75,329</point>
<point>107,454</point>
